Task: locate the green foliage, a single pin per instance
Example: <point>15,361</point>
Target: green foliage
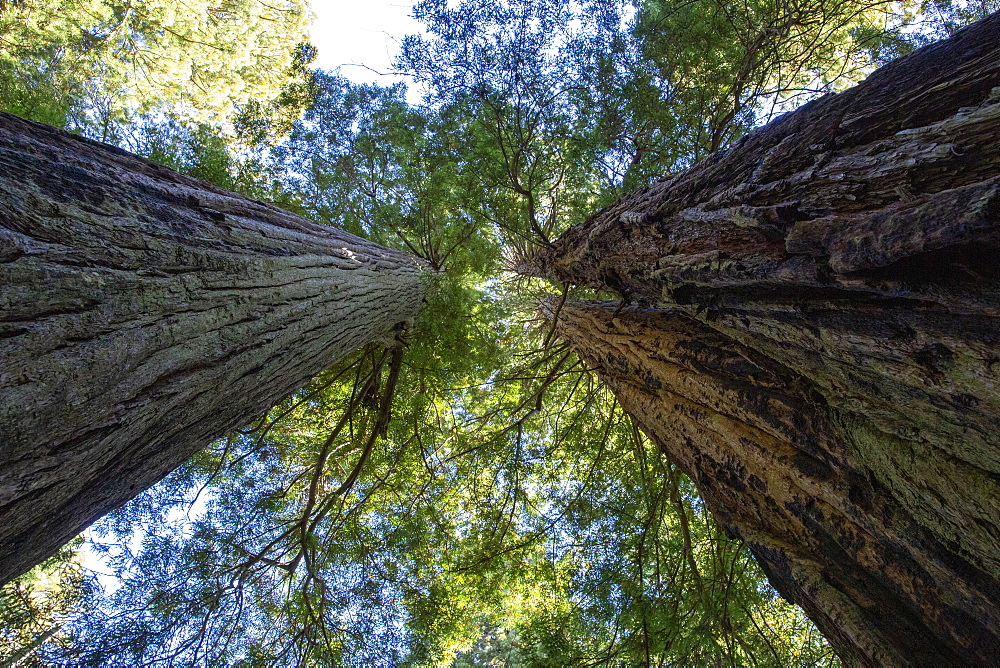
<point>732,65</point>
<point>922,23</point>
<point>107,59</point>
<point>363,160</point>
<point>511,71</point>
<point>467,493</point>
<point>35,606</point>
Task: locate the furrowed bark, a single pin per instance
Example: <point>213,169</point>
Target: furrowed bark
<point>893,560</point>
<point>904,165</point>
<point>143,314</point>
<point>817,343</point>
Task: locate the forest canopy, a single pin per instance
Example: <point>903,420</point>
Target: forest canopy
<point>469,493</point>
<point>95,62</point>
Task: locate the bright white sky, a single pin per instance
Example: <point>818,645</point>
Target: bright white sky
<point>356,35</point>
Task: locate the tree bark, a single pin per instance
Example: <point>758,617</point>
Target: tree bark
<point>143,314</point>
<point>817,344</point>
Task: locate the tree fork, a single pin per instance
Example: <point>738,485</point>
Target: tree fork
<point>817,344</point>
<point>144,313</point>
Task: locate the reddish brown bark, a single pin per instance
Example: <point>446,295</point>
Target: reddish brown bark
<point>817,344</point>
<point>858,526</point>
<point>144,313</point>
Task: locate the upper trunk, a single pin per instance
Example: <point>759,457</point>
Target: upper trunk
<point>829,289</point>
<point>144,313</point>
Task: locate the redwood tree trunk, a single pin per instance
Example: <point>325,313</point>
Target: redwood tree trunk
<point>817,344</point>
<point>143,314</point>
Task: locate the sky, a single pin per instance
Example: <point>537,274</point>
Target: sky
<point>361,37</point>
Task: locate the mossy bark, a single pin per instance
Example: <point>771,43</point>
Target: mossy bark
<point>143,314</point>
<point>816,342</point>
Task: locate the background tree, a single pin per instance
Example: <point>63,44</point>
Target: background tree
<point>35,606</point>
<point>95,61</point>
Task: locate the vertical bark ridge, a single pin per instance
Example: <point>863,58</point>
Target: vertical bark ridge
<point>144,313</point>
<point>800,480</point>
